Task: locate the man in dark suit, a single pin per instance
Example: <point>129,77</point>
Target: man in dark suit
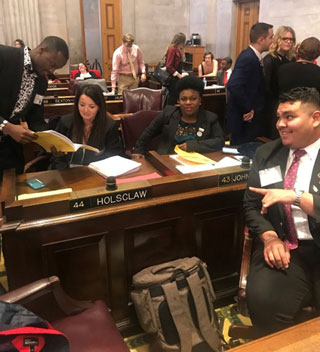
<point>224,74</point>
<point>246,88</point>
<point>282,208</point>
<point>23,86</point>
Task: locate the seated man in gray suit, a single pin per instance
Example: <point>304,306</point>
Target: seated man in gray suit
<point>282,208</point>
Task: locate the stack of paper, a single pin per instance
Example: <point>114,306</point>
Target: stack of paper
<point>115,166</point>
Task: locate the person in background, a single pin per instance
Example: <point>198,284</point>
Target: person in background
<point>224,74</point>
<point>282,51</point>
<point>246,88</point>
<point>303,72</point>
<point>18,43</point>
<point>21,109</point>
<point>175,56</point>
<point>127,64</point>
<point>209,66</point>
<point>88,125</point>
<point>84,73</point>
<point>189,126</point>
<point>282,211</point>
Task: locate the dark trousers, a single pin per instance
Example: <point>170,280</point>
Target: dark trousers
<point>173,96</point>
<point>276,297</point>
<point>249,131</point>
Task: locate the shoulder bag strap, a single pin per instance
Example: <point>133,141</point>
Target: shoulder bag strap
<point>176,309</point>
<point>205,326</point>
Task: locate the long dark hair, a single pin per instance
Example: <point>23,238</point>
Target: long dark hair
<point>100,122</point>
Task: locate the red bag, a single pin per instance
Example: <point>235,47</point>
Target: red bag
<point>23,331</point>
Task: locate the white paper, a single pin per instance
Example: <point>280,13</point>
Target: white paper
<point>187,169</point>
<point>226,162</point>
<point>115,166</point>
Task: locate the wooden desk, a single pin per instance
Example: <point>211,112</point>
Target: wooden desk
<point>96,251</point>
<point>303,337</point>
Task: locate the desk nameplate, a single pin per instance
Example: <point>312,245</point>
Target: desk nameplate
<point>67,100</point>
<point>233,177</point>
<point>109,198</point>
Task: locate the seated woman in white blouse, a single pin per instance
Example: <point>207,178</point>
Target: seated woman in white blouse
<point>209,66</point>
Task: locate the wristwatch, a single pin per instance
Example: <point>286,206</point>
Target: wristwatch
<point>299,194</point>
<point>2,126</point>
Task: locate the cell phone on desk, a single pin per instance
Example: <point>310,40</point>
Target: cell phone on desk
<point>34,183</point>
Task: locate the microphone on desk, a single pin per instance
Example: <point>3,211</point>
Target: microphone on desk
<point>111,183</point>
<point>245,163</point>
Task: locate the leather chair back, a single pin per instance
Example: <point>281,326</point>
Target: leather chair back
<point>142,99</point>
<point>133,126</point>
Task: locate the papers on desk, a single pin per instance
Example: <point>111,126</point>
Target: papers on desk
<point>213,86</point>
<point>43,194</point>
<point>187,167</point>
<point>115,166</point>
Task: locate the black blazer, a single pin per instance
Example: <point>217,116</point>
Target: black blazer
<point>11,69</point>
<point>271,155</point>
<point>165,125</point>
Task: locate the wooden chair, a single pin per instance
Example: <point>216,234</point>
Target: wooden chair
<point>87,326</point>
<point>142,99</point>
<point>132,127</point>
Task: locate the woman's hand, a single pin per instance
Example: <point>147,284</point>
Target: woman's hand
<point>183,146</point>
<point>56,153</point>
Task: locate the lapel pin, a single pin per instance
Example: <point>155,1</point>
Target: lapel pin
<point>315,188</point>
<point>200,132</point>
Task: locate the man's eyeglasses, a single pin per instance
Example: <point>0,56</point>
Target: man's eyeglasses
<point>286,39</point>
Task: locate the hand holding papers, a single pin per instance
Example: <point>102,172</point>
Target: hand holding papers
<point>50,138</point>
<point>115,166</point>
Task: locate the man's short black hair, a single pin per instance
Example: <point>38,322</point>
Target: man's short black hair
<point>56,44</point>
<point>260,29</point>
<point>228,60</point>
<point>303,94</point>
<point>190,82</point>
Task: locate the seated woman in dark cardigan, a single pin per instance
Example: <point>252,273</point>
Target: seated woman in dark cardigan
<point>189,126</point>
<point>88,125</point>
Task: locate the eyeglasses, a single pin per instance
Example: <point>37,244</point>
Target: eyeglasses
<point>286,39</point>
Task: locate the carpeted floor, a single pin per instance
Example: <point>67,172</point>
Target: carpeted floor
<point>227,315</point>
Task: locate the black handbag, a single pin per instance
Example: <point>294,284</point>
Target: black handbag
<point>162,75</point>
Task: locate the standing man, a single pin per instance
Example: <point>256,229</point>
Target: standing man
<point>23,86</point>
<point>246,88</point>
<point>282,208</point>
<point>127,63</point>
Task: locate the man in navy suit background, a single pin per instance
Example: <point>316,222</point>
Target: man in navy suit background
<point>246,88</point>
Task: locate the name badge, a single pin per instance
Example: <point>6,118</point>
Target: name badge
<point>38,99</point>
<point>270,176</point>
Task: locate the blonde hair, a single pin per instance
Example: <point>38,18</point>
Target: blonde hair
<point>280,33</point>
<point>128,38</point>
<point>179,38</point>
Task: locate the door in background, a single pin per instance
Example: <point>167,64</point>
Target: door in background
<point>248,15</point>
<point>111,32</point>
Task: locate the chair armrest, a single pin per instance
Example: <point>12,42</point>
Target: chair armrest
<point>263,139</point>
<point>246,258</point>
<point>34,290</point>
